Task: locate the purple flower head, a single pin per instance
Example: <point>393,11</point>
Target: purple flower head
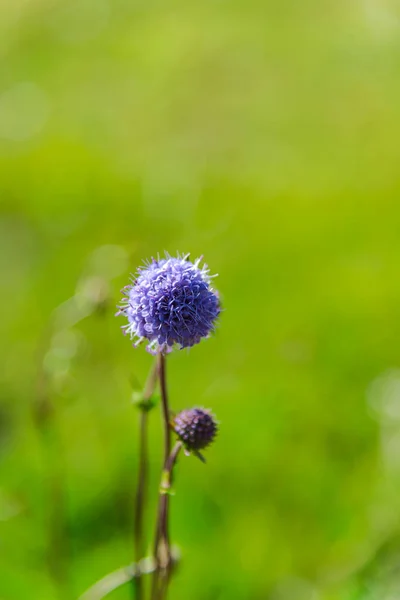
<point>196,427</point>
<point>170,302</point>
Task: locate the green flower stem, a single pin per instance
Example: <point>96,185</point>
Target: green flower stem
<point>161,368</point>
<point>163,554</point>
<point>141,489</point>
<point>165,407</point>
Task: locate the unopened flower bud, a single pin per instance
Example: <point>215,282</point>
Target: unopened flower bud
<point>196,428</point>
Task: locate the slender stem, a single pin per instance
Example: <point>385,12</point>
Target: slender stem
<point>165,407</point>
<point>167,451</point>
<point>163,510</point>
<point>161,367</point>
<point>141,487</point>
<point>163,555</point>
<point>164,583</point>
<point>141,490</point>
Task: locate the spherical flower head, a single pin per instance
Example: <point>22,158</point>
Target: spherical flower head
<point>196,428</point>
<point>170,302</point>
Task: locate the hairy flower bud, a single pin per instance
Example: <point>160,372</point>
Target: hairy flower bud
<point>170,302</point>
<point>196,427</point>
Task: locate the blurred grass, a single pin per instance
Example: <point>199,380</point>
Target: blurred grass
<point>263,135</point>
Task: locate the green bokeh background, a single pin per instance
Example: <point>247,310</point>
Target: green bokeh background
<point>263,135</point>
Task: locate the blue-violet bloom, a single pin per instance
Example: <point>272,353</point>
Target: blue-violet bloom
<point>169,302</point>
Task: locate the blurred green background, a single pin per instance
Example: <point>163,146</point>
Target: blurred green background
<point>263,135</point>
